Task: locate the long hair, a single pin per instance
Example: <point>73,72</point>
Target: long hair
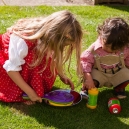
<point>114,31</point>
<point>59,34</point>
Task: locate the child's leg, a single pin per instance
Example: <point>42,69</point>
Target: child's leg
<point>119,90</point>
<point>121,86</point>
<point>29,102</point>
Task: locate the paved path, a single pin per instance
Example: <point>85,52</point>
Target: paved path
<point>44,2</point>
<point>49,2</point>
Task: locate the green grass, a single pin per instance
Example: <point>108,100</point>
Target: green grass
<point>43,116</point>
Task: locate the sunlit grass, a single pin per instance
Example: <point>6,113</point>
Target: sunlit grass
<point>43,116</point>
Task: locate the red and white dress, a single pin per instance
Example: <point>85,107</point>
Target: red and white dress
<point>15,55</point>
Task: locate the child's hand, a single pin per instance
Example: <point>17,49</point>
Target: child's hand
<point>88,84</point>
<point>35,98</point>
<point>67,81</point>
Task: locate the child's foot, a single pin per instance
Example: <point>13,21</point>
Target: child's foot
<point>120,94</point>
<point>84,94</point>
<point>29,102</point>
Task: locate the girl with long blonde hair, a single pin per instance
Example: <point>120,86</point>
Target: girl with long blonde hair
<point>34,51</point>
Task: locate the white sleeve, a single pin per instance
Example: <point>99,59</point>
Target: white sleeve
<point>18,50</point>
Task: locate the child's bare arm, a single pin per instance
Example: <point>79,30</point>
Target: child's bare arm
<point>18,80</point>
<point>88,82</point>
<point>67,81</point>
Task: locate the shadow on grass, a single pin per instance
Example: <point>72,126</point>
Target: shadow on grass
<point>79,116</point>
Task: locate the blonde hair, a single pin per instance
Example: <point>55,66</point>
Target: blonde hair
<point>60,33</point>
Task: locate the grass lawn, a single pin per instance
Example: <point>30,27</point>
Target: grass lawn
<point>43,116</point>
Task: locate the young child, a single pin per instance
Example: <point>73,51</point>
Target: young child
<point>33,52</point>
<point>106,61</point>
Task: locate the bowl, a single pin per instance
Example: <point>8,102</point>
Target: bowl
<point>62,98</point>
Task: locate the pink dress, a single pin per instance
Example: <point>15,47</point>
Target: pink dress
<point>40,82</point>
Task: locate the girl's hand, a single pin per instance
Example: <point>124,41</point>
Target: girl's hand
<point>17,78</point>
<point>35,98</point>
<point>67,81</point>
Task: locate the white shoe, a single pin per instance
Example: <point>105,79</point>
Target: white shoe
<point>84,94</point>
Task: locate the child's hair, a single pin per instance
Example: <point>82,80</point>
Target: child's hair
<point>59,33</point>
<point>114,32</point>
